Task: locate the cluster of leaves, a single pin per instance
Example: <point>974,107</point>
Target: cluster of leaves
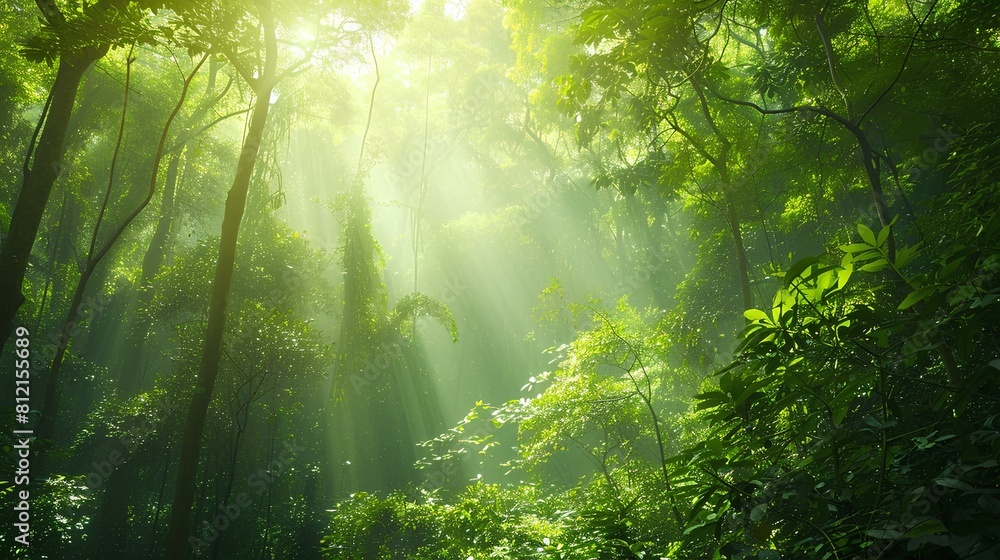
<point>485,521</point>
<point>859,418</point>
<point>114,23</point>
<point>409,307</point>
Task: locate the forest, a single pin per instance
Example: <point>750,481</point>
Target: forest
<point>500,279</point>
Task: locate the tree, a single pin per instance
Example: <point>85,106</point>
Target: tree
<point>77,43</point>
<point>97,252</point>
<point>129,375</point>
<point>194,423</point>
<point>261,30</point>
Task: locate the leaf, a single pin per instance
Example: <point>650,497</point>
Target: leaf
<point>950,268</point>
<point>756,315</point>
<point>952,483</point>
<point>843,275</point>
<point>928,526</point>
<point>906,254</point>
<point>754,338</point>
<point>750,390</point>
<point>915,296</point>
<point>867,235</point>
<point>883,235</point>
<point>883,533</point>
<point>693,528</point>
<point>798,268</point>
<point>854,248</point>
<point>824,281</point>
<point>758,512</point>
<point>875,266</point>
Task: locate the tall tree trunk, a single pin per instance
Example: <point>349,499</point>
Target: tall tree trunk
<point>38,183</point>
<point>194,424</point>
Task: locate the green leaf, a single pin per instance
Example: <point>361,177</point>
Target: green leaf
<point>906,254</point>
<point>854,248</point>
<point>928,526</point>
<point>693,528</point>
<point>915,296</point>
<point>875,266</point>
<point>950,268</point>
<point>952,483</point>
<point>867,235</point>
<point>883,533</point>
<point>843,275</point>
<point>798,268</point>
<point>756,315</point>
<point>883,235</point>
<point>752,388</point>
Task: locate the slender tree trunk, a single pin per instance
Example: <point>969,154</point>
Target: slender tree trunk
<point>270,500</point>
<point>872,168</point>
<point>38,183</point>
<point>721,164</point>
<point>309,531</point>
<point>194,425</point>
<point>231,478</point>
<point>130,375</point>
<point>50,407</point>
<point>112,522</point>
<point>51,271</point>
<point>159,503</point>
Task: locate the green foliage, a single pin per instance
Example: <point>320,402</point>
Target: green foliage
<point>114,24</point>
<point>484,521</point>
<point>666,155</point>
<point>858,418</point>
<point>842,413</point>
<point>414,305</point>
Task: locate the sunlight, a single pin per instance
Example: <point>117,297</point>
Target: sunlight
<point>455,9</point>
<point>500,279</point>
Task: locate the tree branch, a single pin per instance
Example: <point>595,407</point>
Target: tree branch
<point>902,66</point>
